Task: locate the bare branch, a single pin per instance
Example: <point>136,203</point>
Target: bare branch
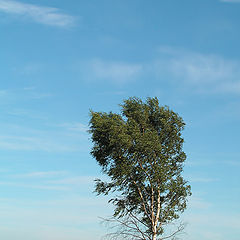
<point>140,221</point>
<point>179,229</point>
<point>125,228</point>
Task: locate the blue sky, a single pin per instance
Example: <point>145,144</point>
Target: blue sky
<point>58,59</point>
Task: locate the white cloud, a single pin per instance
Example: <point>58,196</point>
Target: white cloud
<point>27,113</point>
<point>76,127</point>
<point>117,72</point>
<point>198,68</point>
<point>28,68</point>
<point>200,162</point>
<point>208,225</point>
<point>198,203</point>
<point>59,180</point>
<point>3,93</point>
<point>33,186</point>
<point>47,137</point>
<point>29,88</point>
<point>46,174</point>
<point>215,220</point>
<point>202,179</point>
<point>201,72</point>
<point>60,217</point>
<point>232,163</point>
<point>192,71</point>
<point>22,143</point>
<point>78,180</point>
<point>231,86</point>
<point>41,14</point>
<point>48,180</point>
<point>230,1</point>
<point>36,95</point>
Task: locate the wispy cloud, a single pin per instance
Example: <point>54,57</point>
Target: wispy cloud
<point>46,174</point>
<point>230,1</point>
<point>47,180</point>
<point>203,179</point>
<point>18,112</point>
<point>203,72</point>
<point>41,14</point>
<point>198,203</point>
<point>78,180</point>
<point>3,93</point>
<point>36,95</point>
<point>61,217</point>
<point>55,178</point>
<point>200,73</point>
<point>21,94</point>
<point>34,186</point>
<point>232,163</point>
<point>111,71</point>
<point>76,127</point>
<point>28,69</point>
<point>114,70</point>
<point>22,143</point>
<point>224,221</point>
<point>32,93</point>
<point>46,137</point>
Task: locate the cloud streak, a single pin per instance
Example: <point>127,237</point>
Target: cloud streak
<point>198,203</point>
<point>110,71</point>
<point>201,72</point>
<point>75,181</point>
<point>46,174</point>
<point>10,142</point>
<point>48,180</point>
<point>114,70</point>
<point>75,127</point>
<point>203,179</point>
<point>40,14</point>
<point>230,1</point>
<point>34,186</point>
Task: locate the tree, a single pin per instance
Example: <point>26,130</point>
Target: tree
<point>140,150</point>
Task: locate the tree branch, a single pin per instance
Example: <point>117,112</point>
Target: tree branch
<point>143,201</point>
<point>179,229</point>
<point>126,227</point>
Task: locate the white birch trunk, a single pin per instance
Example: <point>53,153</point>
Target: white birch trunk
<point>154,237</point>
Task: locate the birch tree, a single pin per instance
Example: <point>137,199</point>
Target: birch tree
<point>141,152</point>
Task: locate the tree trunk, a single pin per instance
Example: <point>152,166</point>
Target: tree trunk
<point>154,236</point>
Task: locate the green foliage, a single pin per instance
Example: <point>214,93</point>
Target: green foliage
<point>141,151</point>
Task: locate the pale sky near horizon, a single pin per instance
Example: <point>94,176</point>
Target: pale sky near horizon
<point>59,59</point>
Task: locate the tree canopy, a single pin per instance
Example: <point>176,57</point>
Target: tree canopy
<point>141,151</point>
